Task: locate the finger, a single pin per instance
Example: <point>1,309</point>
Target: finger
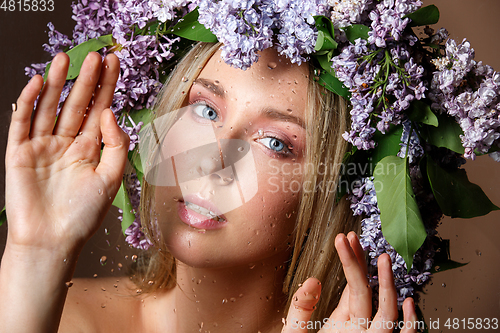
<point>358,250</point>
<point>75,106</point>
<point>409,316</point>
<point>388,308</point>
<point>21,116</point>
<point>341,312</point>
<point>103,96</point>
<point>360,302</point>
<point>46,109</point>
<point>303,304</point>
<point>114,154</point>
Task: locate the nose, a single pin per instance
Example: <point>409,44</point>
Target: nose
<point>219,159</point>
<point>212,164</point>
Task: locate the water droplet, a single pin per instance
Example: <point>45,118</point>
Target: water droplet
<point>69,284</point>
<point>151,282</point>
<point>99,191</point>
<point>437,268</point>
<point>224,301</point>
<point>115,285</point>
<point>260,132</point>
<point>95,275</point>
<point>240,149</point>
<point>272,65</point>
<point>103,305</point>
<point>103,260</point>
<point>98,86</point>
<point>184,79</point>
<point>478,253</point>
<point>120,265</point>
<point>450,309</point>
<point>443,285</point>
<point>134,258</point>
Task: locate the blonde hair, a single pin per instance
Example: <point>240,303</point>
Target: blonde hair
<point>320,216</point>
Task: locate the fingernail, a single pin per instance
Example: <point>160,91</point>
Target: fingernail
<point>14,107</point>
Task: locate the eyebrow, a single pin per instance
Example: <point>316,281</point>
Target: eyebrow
<point>269,112</point>
<point>212,86</point>
<point>275,114</point>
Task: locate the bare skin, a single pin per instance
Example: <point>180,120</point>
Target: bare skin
<point>45,163</point>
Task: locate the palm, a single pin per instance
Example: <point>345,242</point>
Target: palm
<point>58,188</point>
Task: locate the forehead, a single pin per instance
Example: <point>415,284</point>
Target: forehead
<point>272,77</point>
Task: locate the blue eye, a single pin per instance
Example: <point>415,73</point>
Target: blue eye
<point>274,144</point>
<point>205,111</point>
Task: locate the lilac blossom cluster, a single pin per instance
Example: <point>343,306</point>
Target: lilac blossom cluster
<point>380,70</point>
<point>164,10</point>
<point>140,56</point>
<point>468,91</point>
<point>247,27</point>
<point>364,202</point>
<point>415,150</point>
<point>347,12</point>
<point>134,233</point>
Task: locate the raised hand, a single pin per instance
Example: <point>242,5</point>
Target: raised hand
<point>353,314</point>
<point>58,188</point>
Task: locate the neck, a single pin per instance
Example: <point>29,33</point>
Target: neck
<point>242,299</point>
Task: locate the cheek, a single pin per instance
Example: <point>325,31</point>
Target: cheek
<point>279,192</point>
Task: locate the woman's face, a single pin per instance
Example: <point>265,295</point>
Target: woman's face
<point>237,153</point>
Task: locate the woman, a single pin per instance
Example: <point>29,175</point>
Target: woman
<point>245,272</point>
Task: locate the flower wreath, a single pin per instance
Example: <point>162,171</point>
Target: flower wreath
<point>418,103</point>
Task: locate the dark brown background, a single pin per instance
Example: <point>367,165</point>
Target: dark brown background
<point>472,291</point>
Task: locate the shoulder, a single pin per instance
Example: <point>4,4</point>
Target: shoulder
<point>101,305</point>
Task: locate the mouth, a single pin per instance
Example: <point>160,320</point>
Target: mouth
<point>200,213</point>
<point>204,211</point>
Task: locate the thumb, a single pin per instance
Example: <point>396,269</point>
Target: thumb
<point>303,304</point>
<point>114,154</point>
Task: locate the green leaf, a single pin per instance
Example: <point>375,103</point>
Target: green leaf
<point>388,144</point>
<point>402,224</point>
<point>356,31</point>
<point>122,201</point>
<point>144,115</point>
<point>325,42</point>
<point>331,83</point>
<point>455,194</point>
<point>421,112</point>
<point>326,34</point>
<point>78,53</point>
<point>424,16</point>
<point>3,216</point>
<point>446,135</point>
<point>191,29</point>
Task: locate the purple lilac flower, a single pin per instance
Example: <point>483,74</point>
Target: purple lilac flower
<point>388,23</point>
<point>132,131</point>
<point>297,34</point>
<point>468,91</point>
<point>93,19</point>
<point>57,41</point>
<point>164,9</point>
<point>134,233</point>
<point>416,149</point>
<point>347,12</point>
<point>246,27</point>
<point>379,70</point>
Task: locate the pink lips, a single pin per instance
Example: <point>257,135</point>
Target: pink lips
<point>197,220</point>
